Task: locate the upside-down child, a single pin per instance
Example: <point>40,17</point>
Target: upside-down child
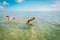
<point>11,20</point>
<point>28,22</point>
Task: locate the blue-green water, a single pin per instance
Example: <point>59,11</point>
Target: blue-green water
<point>50,16</point>
<point>46,26</point>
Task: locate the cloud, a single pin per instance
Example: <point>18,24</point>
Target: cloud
<point>5,3</point>
<point>55,6</point>
<point>19,1</point>
<point>1,8</point>
<point>52,7</point>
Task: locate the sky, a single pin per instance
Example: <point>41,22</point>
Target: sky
<point>29,5</point>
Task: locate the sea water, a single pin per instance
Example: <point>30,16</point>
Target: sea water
<point>46,26</point>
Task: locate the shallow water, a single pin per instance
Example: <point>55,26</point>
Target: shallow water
<point>46,26</point>
<point>50,16</point>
